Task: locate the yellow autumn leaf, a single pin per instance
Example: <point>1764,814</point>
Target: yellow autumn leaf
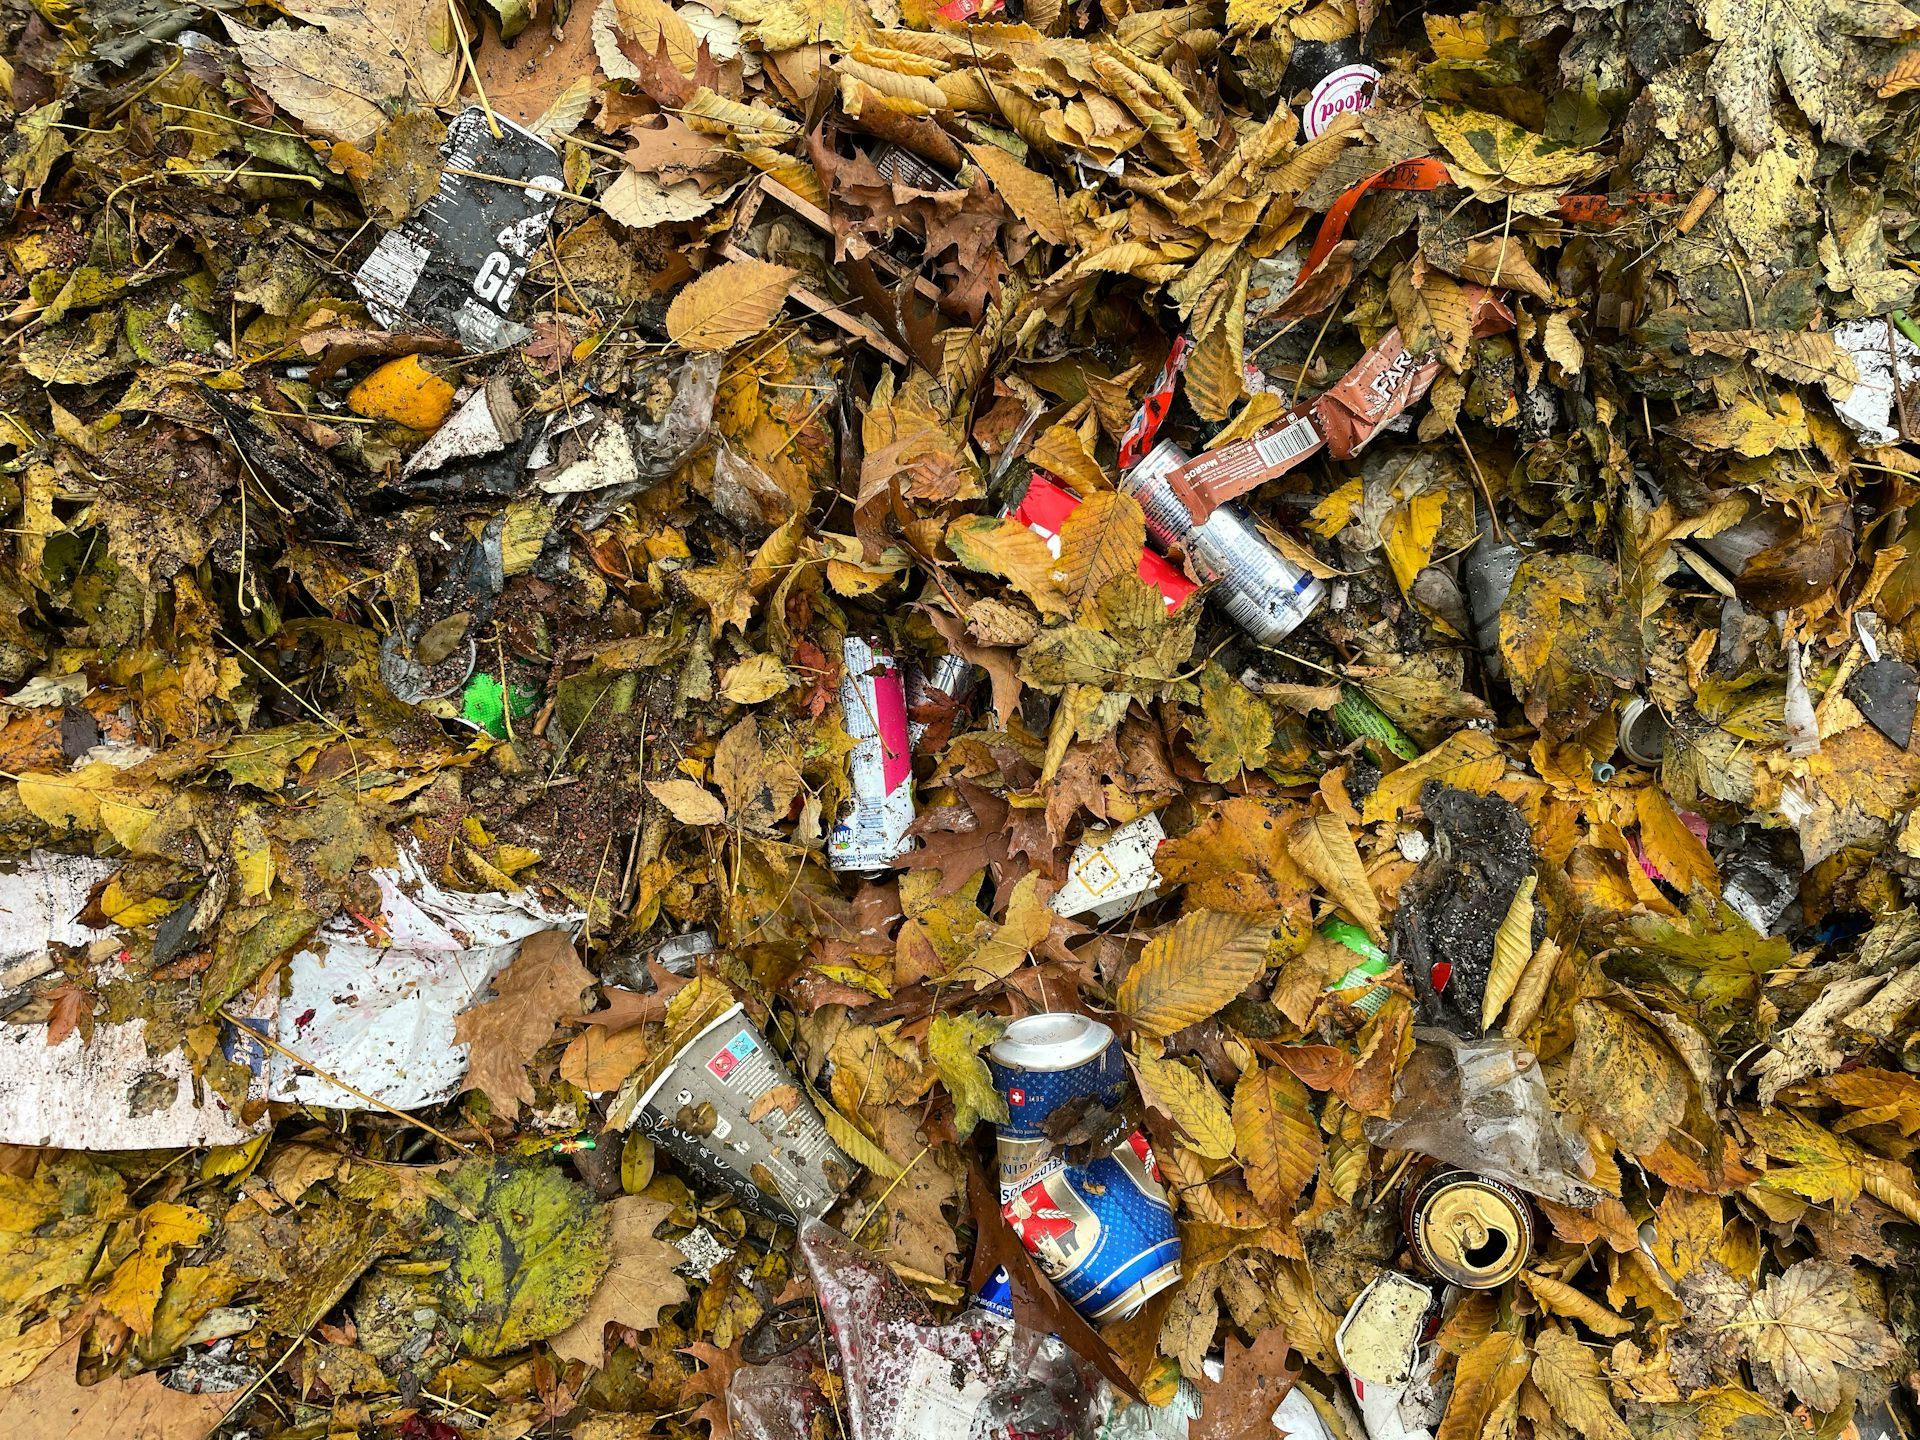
<point>1502,157</point>
<point>1099,541</point>
<point>1276,1137</point>
<point>728,304</point>
<point>1029,194</point>
<point>1468,760</point>
<point>1322,846</point>
<point>134,1290</point>
<point>1006,949</point>
<point>404,391</point>
<point>1411,534</point>
<point>648,23</point>
<point>852,1139</point>
<point>1512,948</point>
<point>1676,852</point>
<point>1190,970</point>
<point>1484,1379</point>
<point>1004,547</point>
<point>1625,1077</point>
<point>1214,379</point>
<point>1190,1100</point>
<point>756,678</point>
<point>1569,1375</point>
<point>1747,427</point>
<point>1562,1299</point>
<point>688,801</point>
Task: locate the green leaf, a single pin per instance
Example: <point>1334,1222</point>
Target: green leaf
<point>1235,729</point>
<point>954,1043</point>
<point>525,1258</point>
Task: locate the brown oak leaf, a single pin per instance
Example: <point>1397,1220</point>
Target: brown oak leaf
<point>531,996</point>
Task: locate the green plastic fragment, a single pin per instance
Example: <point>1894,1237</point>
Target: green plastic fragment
<point>482,706</point>
<point>1374,962</point>
<point>1357,717</point>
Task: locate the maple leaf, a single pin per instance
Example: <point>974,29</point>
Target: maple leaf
<point>1809,1328</point>
<point>542,986</point>
<point>1254,1379</point>
<point>637,1286</point>
<point>52,1402</point>
<point>711,1380</point>
<point>1813,46</point>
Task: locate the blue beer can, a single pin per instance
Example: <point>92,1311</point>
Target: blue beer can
<point>1103,1232</point>
<point>1042,1064</point>
<point>996,1296</point>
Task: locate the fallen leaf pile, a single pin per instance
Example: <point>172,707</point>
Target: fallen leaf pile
<point>421,681</point>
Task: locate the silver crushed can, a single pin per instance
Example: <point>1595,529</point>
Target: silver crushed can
<point>1486,574</point>
<point>1263,592</point>
<point>870,832</point>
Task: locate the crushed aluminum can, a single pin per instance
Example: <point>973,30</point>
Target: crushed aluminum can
<point>1044,509</point>
<point>1758,886</point>
<point>1111,872</point>
<point>727,1108</point>
<point>679,953</point>
<point>1102,1232</point>
<point>1469,1230</point>
<point>458,263</point>
<point>1264,593</point>
<point>1643,731</point>
<point>1486,575</point>
<point>871,830</point>
<point>1388,1368</point>
<point>703,1251</point>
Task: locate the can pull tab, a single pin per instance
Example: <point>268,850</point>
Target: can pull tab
<point>1477,1244</point>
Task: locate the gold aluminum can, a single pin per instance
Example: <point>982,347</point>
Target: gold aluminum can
<point>1469,1230</point>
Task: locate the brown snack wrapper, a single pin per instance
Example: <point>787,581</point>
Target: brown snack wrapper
<point>1387,380</point>
<point>1341,420</point>
<point>1213,477</point>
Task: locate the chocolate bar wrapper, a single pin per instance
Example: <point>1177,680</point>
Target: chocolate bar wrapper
<point>1387,380</point>
<point>1342,420</point>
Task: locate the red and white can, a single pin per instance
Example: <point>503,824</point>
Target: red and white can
<point>870,832</point>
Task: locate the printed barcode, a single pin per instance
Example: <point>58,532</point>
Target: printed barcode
<point>1295,439</point>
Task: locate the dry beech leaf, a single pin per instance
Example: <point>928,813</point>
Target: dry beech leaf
<point>729,304</point>
<point>1276,1136</point>
<point>1512,948</point>
<point>688,801</point>
<point>1189,971</point>
<point>1322,846</point>
<point>1569,1375</point>
<point>1190,1100</point>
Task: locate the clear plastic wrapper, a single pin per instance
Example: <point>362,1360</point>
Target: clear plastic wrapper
<point>1483,1105</point>
<point>906,1376</point>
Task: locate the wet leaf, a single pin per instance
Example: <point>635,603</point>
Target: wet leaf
<point>526,1257</point>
